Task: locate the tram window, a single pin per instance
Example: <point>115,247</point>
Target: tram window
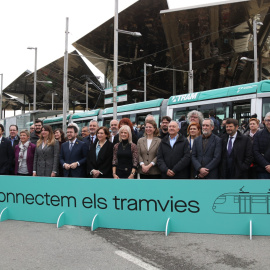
<point>221,110</point>
<point>241,111</point>
<point>220,200</point>
<point>236,199</point>
<point>183,111</point>
<point>106,122</point>
<point>81,124</point>
<point>55,126</point>
<point>259,199</point>
<point>141,119</point>
<point>205,109</point>
<point>265,106</point>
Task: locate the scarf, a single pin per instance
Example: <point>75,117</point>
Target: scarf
<point>23,148</point>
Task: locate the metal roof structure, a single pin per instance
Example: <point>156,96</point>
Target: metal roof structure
<point>21,89</point>
<point>220,36</point>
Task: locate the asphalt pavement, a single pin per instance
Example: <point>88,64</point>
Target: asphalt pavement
<point>29,245</point>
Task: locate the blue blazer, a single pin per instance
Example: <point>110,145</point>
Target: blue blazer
<point>77,154</point>
<point>210,159</point>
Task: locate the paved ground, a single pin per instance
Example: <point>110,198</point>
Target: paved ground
<point>27,245</point>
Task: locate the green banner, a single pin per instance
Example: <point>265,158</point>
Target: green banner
<point>194,206</point>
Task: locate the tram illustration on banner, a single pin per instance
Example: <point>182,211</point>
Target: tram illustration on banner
<point>242,203</point>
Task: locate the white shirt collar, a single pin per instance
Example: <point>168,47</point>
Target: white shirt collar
<point>73,141</point>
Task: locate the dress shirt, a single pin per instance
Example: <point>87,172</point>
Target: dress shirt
<point>173,140</point>
<point>233,139</point>
<point>149,141</point>
<point>94,137</point>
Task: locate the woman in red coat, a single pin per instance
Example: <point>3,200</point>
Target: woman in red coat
<point>24,155</point>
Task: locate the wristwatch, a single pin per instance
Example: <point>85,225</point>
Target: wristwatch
<point>133,173</point>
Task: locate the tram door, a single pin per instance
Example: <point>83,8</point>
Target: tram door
<point>268,204</point>
<point>245,205</point>
<point>241,110</point>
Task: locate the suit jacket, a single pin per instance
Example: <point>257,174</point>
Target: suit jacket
<point>29,158</point>
<point>147,156</point>
<point>261,149</point>
<point>47,159</point>
<point>209,159</point>
<point>77,154</point>
<point>241,155</point>
<point>176,159</point>
<point>15,142</point>
<point>88,142</point>
<point>104,161</point>
<point>6,156</point>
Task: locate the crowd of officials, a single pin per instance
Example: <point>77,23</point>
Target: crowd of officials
<point>192,148</point>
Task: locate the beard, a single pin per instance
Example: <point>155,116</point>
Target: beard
<point>165,129</point>
<point>205,133</point>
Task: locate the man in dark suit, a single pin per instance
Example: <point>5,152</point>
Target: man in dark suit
<point>236,152</point>
<point>14,139</point>
<point>7,153</point>
<point>261,149</point>
<point>206,152</point>
<point>114,129</point>
<point>13,135</point>
<point>93,127</point>
<point>73,155</point>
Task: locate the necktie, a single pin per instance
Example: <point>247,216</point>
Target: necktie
<point>230,146</point>
<point>70,146</point>
<point>92,139</point>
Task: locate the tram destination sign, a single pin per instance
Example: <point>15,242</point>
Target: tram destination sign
<point>119,88</point>
<point>121,98</point>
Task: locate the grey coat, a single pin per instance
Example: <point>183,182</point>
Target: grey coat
<point>46,160</point>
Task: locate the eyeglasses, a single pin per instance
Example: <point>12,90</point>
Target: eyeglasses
<point>267,120</point>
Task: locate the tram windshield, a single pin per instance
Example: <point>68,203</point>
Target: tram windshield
<point>221,110</point>
<point>241,110</point>
<point>265,106</point>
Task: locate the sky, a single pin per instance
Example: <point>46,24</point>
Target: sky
<point>41,24</point>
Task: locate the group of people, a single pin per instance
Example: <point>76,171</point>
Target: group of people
<point>188,149</point>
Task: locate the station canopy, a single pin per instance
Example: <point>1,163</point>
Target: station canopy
<point>220,36</point>
<point>19,93</point>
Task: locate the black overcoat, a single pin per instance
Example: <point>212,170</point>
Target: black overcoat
<point>104,161</point>
<point>241,154</point>
<point>176,159</point>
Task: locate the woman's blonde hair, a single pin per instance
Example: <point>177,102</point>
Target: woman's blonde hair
<point>51,139</point>
<point>127,128</point>
<point>26,132</point>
